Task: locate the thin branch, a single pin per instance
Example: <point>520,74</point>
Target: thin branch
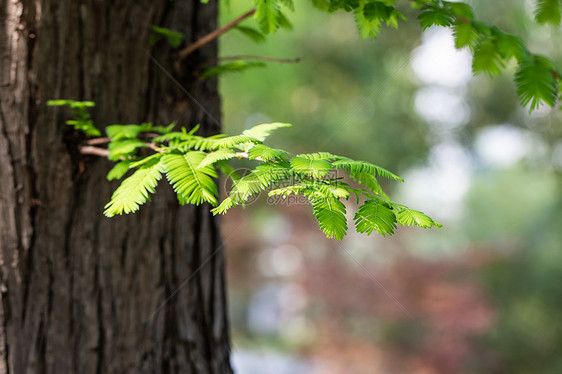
<point>154,147</point>
<point>253,57</point>
<point>96,151</point>
<point>213,35</point>
<point>97,141</point>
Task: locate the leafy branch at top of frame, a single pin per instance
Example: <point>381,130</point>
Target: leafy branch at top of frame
<point>191,163</point>
<point>537,78</point>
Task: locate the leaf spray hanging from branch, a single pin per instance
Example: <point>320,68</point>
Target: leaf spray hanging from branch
<point>191,163</point>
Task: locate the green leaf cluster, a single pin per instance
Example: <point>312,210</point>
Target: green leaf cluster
<point>270,16</point>
<point>174,38</point>
<point>537,78</point>
<point>81,120</point>
<point>191,163</point>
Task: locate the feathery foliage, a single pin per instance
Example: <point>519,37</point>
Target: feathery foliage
<point>330,213</point>
<point>193,184</point>
<point>548,11</point>
<point>134,191</point>
<point>190,163</point>
<point>81,120</point>
<point>375,215</point>
<point>492,47</point>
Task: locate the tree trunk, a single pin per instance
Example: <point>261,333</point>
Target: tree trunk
<point>82,293</point>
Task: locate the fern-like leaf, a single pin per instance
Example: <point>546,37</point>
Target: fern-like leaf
<point>536,82</point>
<point>263,131</point>
<point>314,168</point>
<point>134,191</point>
<point>120,169</point>
<point>192,184</point>
<point>410,217</point>
<point>375,215</point>
<point>124,148</point>
<point>265,153</point>
<point>251,33</point>
<point>465,35</point>
<point>268,15</point>
<point>219,155</point>
<point>370,181</point>
<point>509,46</point>
<point>117,132</point>
<point>241,141</point>
<point>548,11</point>
<point>433,15</point>
<point>224,206</point>
<point>330,213</point>
<point>487,58</point>
<point>318,156</point>
<point>356,167</point>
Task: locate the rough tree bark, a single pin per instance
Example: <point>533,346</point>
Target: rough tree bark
<point>81,293</point>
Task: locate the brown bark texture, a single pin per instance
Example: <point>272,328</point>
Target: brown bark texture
<point>81,293</point>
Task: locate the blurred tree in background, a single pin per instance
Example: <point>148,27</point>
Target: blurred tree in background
<point>482,294</point>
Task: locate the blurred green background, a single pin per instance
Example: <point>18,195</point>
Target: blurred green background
<point>481,295</point>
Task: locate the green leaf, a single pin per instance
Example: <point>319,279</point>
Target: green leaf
<point>318,156</point>
<point>375,215</point>
<point>465,35</point>
<point>315,168</point>
<point>370,181</point>
<point>117,132</point>
<point>510,46</point>
<point>71,103</point>
<point>410,217</point>
<point>261,178</point>
<point>536,82</point>
<point>353,166</point>
<point>134,190</point>
<point>460,9</point>
<point>219,155</point>
<point>81,120</point>
<point>548,11</point>
<point>263,131</point>
<point>251,33</point>
<point>192,184</point>
<point>487,58</point>
<point>289,4</point>
<point>330,213</point>
<point>242,141</point>
<point>265,153</point>
<point>120,169</point>
<point>433,15</point>
<point>124,147</point>
<point>284,22</point>
<point>268,15</point>
<point>368,26</point>
<point>224,206</point>
<point>174,38</point>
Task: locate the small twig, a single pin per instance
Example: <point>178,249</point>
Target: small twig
<point>246,155</point>
<point>253,57</point>
<point>97,141</point>
<point>154,147</point>
<point>96,151</point>
<point>213,35</point>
